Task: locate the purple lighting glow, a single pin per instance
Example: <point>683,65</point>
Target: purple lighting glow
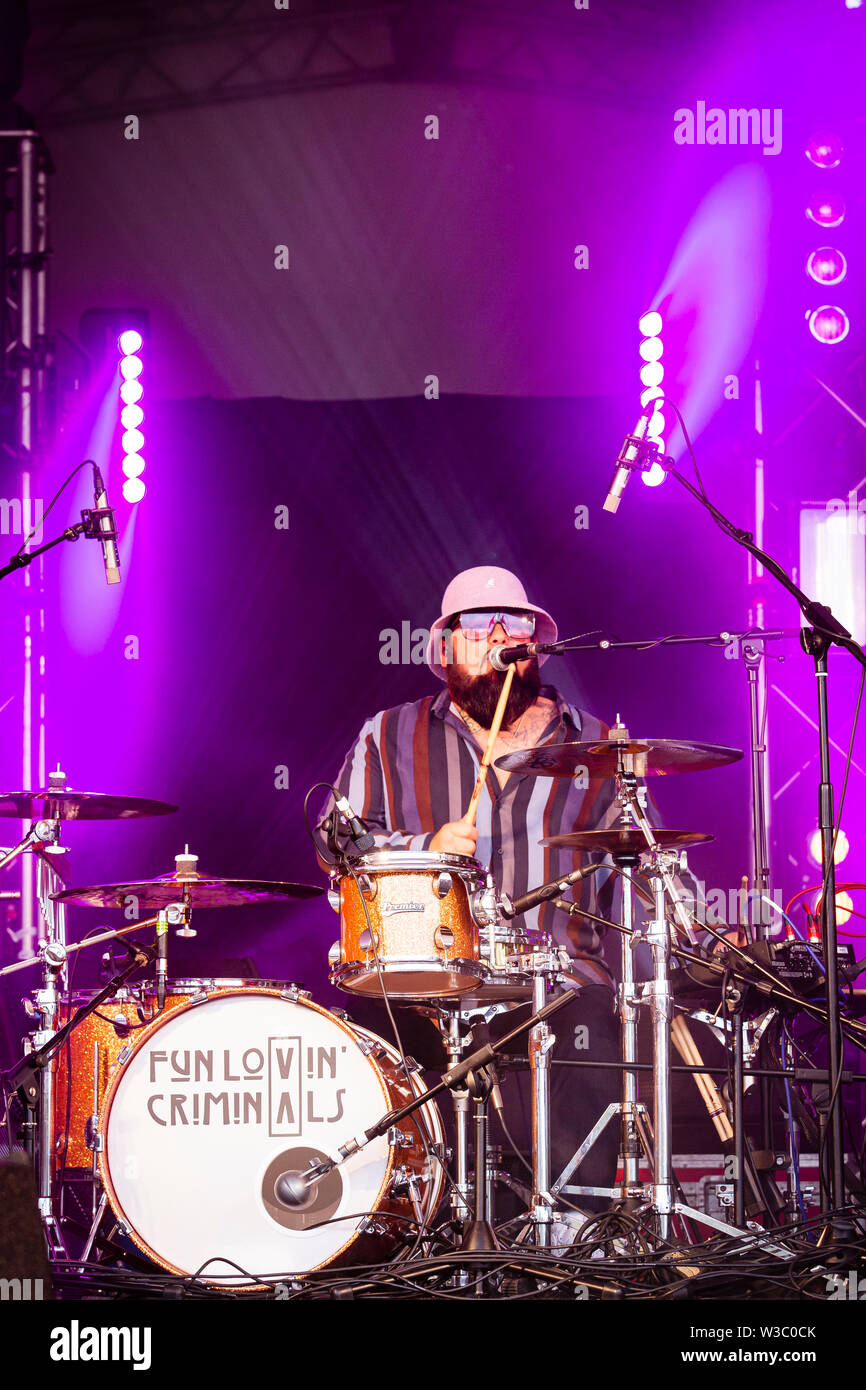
<point>650,326</point>
<point>826,208</point>
<point>829,324</point>
<point>824,150</point>
<point>827,265</point>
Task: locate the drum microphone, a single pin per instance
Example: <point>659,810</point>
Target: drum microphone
<point>296,1189</point>
<point>547,891</point>
<point>637,453</point>
<point>107,529</point>
<point>358,833</point>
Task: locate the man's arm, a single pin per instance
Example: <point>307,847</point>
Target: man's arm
<point>361,781</point>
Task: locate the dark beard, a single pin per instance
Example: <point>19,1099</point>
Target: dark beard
<point>479,695</point>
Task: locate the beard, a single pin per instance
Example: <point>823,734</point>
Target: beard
<point>479,695</point>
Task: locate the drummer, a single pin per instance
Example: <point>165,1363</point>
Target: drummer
<point>410,773</point>
<point>410,776</point>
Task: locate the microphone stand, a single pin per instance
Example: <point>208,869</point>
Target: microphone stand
<point>88,526</point>
<point>823,631</point>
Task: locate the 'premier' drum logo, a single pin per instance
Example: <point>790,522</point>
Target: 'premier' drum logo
<point>297,1087</point>
<point>388,908</point>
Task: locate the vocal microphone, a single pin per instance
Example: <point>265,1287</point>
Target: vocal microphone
<point>513,908</point>
<point>637,452</point>
<point>107,529</point>
<point>358,833</point>
<point>502,657</point>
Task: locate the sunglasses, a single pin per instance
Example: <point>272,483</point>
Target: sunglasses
<point>478,624</point>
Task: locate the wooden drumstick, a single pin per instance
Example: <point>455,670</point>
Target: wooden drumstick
<point>686,1046</point>
<point>488,751</point>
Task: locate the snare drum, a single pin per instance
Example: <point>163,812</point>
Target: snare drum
<point>420,928</point>
<point>220,1098</point>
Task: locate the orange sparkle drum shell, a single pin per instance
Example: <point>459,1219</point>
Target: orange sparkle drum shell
<point>421,934</point>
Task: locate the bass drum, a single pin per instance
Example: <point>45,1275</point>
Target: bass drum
<point>224,1095</point>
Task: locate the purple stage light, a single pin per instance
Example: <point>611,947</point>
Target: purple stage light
<point>133,442</point>
<point>130,367</point>
<point>827,265</point>
<point>829,324</point>
<point>650,326</point>
<point>651,349</point>
<point>825,150</point>
<point>826,208</point>
<point>133,489</point>
<point>131,416</point>
<point>651,374</point>
<point>130,341</point>
<point>131,391</point>
<point>133,465</point>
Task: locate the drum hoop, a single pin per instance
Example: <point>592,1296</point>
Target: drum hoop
<point>417,860</point>
<point>105,1116</point>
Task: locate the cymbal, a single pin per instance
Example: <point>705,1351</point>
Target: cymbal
<point>51,804</point>
<point>196,889</point>
<point>625,839</point>
<point>651,758</point>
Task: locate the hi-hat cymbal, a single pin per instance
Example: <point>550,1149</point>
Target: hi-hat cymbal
<point>51,804</point>
<point>649,758</point>
<point>196,889</point>
<point>625,840</point>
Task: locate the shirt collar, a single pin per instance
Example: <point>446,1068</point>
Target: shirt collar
<point>569,714</point>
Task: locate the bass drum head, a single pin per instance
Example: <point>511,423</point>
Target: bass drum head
<point>217,1101</point>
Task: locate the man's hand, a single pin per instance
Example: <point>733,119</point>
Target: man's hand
<point>455,837</point>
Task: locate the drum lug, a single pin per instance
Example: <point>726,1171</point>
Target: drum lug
<point>334,899</point>
<point>334,954</point>
<point>124,1055</point>
<point>399,1139</point>
<point>369,887</point>
<point>294,993</point>
<point>443,885</point>
<point>373,1226</point>
<point>484,907</point>
<point>92,1138</point>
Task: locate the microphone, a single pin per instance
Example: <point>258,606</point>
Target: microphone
<point>502,657</point>
<point>107,529</point>
<point>513,908</point>
<point>295,1189</point>
<point>161,959</point>
<point>358,832</point>
<point>637,452</point>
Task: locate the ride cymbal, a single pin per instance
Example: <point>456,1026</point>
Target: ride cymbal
<point>604,758</point>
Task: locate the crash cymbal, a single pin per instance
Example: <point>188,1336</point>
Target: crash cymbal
<point>625,839</point>
<point>196,889</point>
<point>51,804</point>
<point>650,758</point>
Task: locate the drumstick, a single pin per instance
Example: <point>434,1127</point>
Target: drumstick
<point>685,1044</point>
<point>488,751</point>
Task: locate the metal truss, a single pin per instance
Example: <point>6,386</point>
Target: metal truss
<point>97,60</point>
<point>26,381</point>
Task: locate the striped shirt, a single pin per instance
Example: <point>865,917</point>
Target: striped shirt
<point>413,768</point>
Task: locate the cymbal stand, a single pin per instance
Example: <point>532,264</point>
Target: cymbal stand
<point>449,1016</point>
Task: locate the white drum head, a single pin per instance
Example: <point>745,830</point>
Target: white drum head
<point>220,1099</point>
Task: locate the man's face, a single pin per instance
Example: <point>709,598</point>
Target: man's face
<point>473,683</point>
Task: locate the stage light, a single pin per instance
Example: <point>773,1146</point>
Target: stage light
<point>130,341</point>
<point>656,424</point>
<point>133,442</point>
<point>130,368</point>
<point>833,563</point>
<point>131,391</point>
<point>840,852</point>
<point>133,489</point>
<point>827,265</point>
<point>131,416</point>
<point>651,373</point>
<point>650,324</point>
<point>826,208</point>
<point>652,393</point>
<point>829,324</point>
<point>651,349</point>
<point>133,465</point>
<point>656,474</point>
<point>824,150</point>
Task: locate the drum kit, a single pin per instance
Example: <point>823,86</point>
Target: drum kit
<point>234,1132</point>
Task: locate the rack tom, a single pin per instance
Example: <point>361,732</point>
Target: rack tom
<point>409,923</point>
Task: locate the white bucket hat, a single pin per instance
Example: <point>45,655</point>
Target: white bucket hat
<point>485,586</point>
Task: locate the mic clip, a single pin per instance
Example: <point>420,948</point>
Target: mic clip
<point>93,518</point>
